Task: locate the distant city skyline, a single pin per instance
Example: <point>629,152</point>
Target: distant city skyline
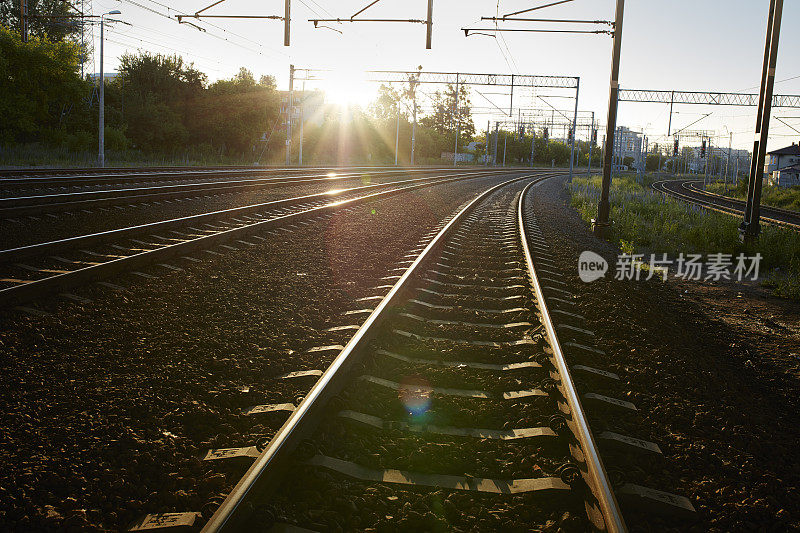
<point>700,46</point>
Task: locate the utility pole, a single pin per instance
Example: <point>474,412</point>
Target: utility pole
<point>728,162</point>
<point>428,24</point>
<point>574,128</point>
<point>591,146</point>
<point>302,119</point>
<point>397,136</point>
<point>458,126</point>
<point>496,131</point>
<point>414,130</point>
<point>505,143</point>
<point>287,19</point>
<point>23,20</point>
<point>488,134</point>
<point>533,142</point>
<point>604,207</point>
<point>750,227</point>
<point>289,106</point>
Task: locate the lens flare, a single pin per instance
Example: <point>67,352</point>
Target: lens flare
<point>415,393</point>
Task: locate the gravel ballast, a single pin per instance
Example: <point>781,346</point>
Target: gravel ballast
<point>26,230</point>
<point>109,405</point>
<point>713,369</point>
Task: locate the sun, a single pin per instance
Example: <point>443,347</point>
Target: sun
<point>348,89</point>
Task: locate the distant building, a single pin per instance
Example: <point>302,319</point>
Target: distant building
<point>627,143</point>
<point>786,176</point>
<point>782,166</point>
<point>108,76</point>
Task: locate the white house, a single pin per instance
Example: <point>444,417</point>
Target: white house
<point>786,176</point>
<point>782,160</point>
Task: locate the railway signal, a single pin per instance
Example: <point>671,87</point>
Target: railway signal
<point>703,150</point>
<point>675,147</point>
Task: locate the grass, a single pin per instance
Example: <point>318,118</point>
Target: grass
<point>646,222</point>
<point>782,197</point>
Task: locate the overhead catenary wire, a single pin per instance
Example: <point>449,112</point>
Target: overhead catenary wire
<point>537,7</point>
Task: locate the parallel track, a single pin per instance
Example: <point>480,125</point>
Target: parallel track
<point>687,191</point>
<point>37,270</point>
<point>103,177</point>
<point>38,204</point>
<point>469,313</point>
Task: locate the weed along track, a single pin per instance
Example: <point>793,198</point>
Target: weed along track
<point>450,407</point>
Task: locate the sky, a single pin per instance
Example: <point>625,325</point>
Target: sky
<point>691,45</point>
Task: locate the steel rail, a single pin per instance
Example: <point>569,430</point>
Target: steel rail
<point>86,177</point>
<point>716,202</point>
<point>22,252</point>
<point>92,176</point>
<point>264,474</point>
<point>598,478</point>
<point>28,291</point>
<point>39,204</point>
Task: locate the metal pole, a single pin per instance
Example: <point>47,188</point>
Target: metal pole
<point>414,130</point>
<point>671,101</point>
<point>287,22</point>
<point>505,143</point>
<point>496,131</point>
<point>511,104</point>
<point>488,134</point>
<point>591,147</point>
<point>604,207</point>
<point>101,130</point>
<point>754,227</point>
<point>397,136</point>
<point>302,120</point>
<point>289,106</point>
<point>23,19</point>
<point>458,126</point>
<point>744,227</point>
<point>429,24</point>
<point>533,142</point>
<point>728,161</point>
<point>574,128</point>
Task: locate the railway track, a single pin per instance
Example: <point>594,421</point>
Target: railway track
<point>451,404</point>
<point>38,204</point>
<point>30,272</point>
<point>93,178</point>
<point>687,191</point>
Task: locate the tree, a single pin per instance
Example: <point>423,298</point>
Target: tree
<point>451,111</point>
<point>39,84</point>
<point>47,19</point>
<point>385,106</point>
<point>167,77</point>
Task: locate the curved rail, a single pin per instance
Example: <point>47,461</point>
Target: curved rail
<point>264,473</point>
<point>598,479</point>
<point>722,204</point>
